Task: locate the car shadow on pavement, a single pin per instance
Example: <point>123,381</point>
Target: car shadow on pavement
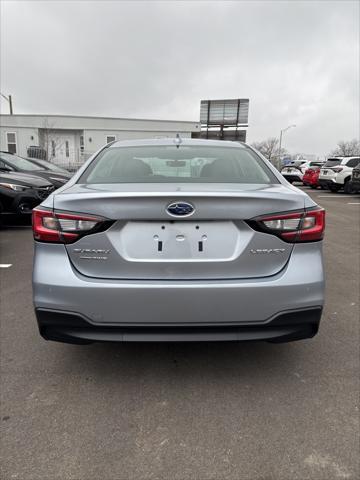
<point>187,360</point>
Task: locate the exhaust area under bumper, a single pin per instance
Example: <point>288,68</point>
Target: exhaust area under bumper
<point>73,328</point>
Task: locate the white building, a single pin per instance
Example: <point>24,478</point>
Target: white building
<point>68,140</point>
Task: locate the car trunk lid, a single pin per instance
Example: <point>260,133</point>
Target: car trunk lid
<point>144,242</point>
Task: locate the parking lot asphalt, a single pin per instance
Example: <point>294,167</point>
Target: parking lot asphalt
<point>184,411</point>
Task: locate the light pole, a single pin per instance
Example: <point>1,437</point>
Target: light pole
<point>281,134</point>
<point>9,100</point>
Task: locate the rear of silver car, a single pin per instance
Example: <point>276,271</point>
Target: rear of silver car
<point>153,241</point>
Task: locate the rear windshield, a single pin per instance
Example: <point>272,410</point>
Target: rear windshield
<point>172,164</point>
<point>332,162</point>
<point>296,163</point>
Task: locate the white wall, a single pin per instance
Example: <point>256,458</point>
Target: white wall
<point>98,137</point>
<point>96,128</point>
<point>66,122</point>
<point>23,138</point>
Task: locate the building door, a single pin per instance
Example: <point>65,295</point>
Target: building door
<point>61,148</point>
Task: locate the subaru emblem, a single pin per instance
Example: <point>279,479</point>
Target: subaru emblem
<point>180,209</point>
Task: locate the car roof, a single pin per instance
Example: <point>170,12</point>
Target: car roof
<point>173,141</point>
<point>344,157</point>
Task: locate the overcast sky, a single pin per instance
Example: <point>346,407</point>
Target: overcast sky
<point>297,61</point>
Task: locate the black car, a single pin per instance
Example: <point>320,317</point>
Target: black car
<point>355,179</point>
<point>49,166</point>
<point>20,192</point>
<point>10,162</point>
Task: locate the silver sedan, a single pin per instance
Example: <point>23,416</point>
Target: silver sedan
<point>178,240</point>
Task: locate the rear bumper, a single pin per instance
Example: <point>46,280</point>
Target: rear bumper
<point>293,178</point>
<point>311,181</point>
<point>112,310</point>
<point>328,182</point>
<point>71,327</point>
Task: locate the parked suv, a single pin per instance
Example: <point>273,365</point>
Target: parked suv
<point>355,178</point>
<point>178,240</point>
<point>336,173</point>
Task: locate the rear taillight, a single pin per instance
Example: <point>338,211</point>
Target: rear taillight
<point>338,169</point>
<point>304,226</point>
<point>49,226</point>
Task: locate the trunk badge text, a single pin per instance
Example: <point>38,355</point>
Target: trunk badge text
<point>92,253</point>
<point>267,250</point>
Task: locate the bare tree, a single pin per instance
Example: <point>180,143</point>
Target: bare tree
<point>269,148</point>
<point>347,148</point>
<point>48,140</point>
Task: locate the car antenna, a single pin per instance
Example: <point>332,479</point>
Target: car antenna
<point>177,140</point>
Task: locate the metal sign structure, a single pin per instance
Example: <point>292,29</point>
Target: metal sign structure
<point>222,119</point>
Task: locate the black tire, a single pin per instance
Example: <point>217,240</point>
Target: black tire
<point>334,188</point>
<point>348,187</point>
<point>313,186</point>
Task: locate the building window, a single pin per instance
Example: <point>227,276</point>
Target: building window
<point>81,143</point>
<point>110,138</point>
<point>53,146</point>
<point>11,142</point>
<point>67,148</point>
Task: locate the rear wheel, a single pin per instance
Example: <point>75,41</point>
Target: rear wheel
<point>313,186</point>
<point>348,187</point>
<point>334,188</point>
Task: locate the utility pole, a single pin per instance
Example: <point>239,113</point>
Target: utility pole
<point>279,158</point>
<point>9,100</point>
<point>280,141</point>
<point>10,105</point>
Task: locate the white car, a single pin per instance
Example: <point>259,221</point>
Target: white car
<point>336,173</point>
<point>294,171</point>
